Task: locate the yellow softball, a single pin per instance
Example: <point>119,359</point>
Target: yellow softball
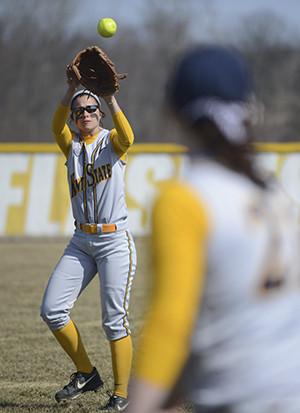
<point>107,27</point>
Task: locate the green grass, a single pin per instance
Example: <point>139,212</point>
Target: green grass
<point>32,364</point>
<point>33,367</point>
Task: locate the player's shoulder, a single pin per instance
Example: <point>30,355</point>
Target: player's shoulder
<point>180,191</point>
<point>180,200</point>
<point>75,137</point>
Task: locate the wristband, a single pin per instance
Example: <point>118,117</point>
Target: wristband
<point>111,103</point>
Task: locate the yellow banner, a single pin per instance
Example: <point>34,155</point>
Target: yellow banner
<point>35,198</point>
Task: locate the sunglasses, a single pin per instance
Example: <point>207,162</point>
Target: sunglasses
<point>90,109</point>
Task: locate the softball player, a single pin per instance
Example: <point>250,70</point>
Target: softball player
<point>102,242</point>
<point>223,324</point>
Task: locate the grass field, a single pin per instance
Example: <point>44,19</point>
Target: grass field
<point>32,364</point>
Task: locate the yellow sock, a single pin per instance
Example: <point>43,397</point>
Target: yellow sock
<point>121,353</point>
<point>70,340</point>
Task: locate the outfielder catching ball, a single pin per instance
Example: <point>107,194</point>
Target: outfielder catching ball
<point>102,242</point>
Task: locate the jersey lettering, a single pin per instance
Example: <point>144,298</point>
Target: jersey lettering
<point>275,271</point>
<point>94,176</point>
<point>90,174</point>
<point>99,174</point>
<point>76,185</point>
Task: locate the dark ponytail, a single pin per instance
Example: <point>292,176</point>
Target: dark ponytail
<point>237,157</point>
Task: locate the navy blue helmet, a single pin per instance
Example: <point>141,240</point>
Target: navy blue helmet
<point>210,71</point>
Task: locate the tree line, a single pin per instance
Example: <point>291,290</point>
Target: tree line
<point>34,56</point>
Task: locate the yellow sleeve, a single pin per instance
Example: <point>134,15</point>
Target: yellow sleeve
<point>61,132</point>
<point>180,228</point>
<point>122,136</point>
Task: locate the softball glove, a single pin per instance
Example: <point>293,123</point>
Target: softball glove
<point>96,72</point>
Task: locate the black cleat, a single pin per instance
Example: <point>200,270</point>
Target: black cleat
<point>80,383</point>
<point>115,403</point>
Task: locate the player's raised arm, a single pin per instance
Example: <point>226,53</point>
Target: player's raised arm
<point>122,136</point>
<point>60,129</point>
<point>73,84</point>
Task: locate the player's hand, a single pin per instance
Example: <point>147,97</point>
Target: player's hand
<point>109,99</point>
<point>72,80</point>
<point>112,103</point>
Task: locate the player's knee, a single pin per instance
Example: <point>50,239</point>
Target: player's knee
<point>54,319</point>
<point>115,331</point>
<point>45,313</point>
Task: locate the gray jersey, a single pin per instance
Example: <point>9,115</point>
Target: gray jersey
<point>96,181</point>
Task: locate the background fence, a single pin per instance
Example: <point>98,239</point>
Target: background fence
<point>35,198</point>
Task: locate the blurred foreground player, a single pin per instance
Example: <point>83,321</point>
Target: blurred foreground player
<point>223,325</point>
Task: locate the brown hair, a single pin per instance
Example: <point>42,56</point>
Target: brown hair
<point>237,157</point>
